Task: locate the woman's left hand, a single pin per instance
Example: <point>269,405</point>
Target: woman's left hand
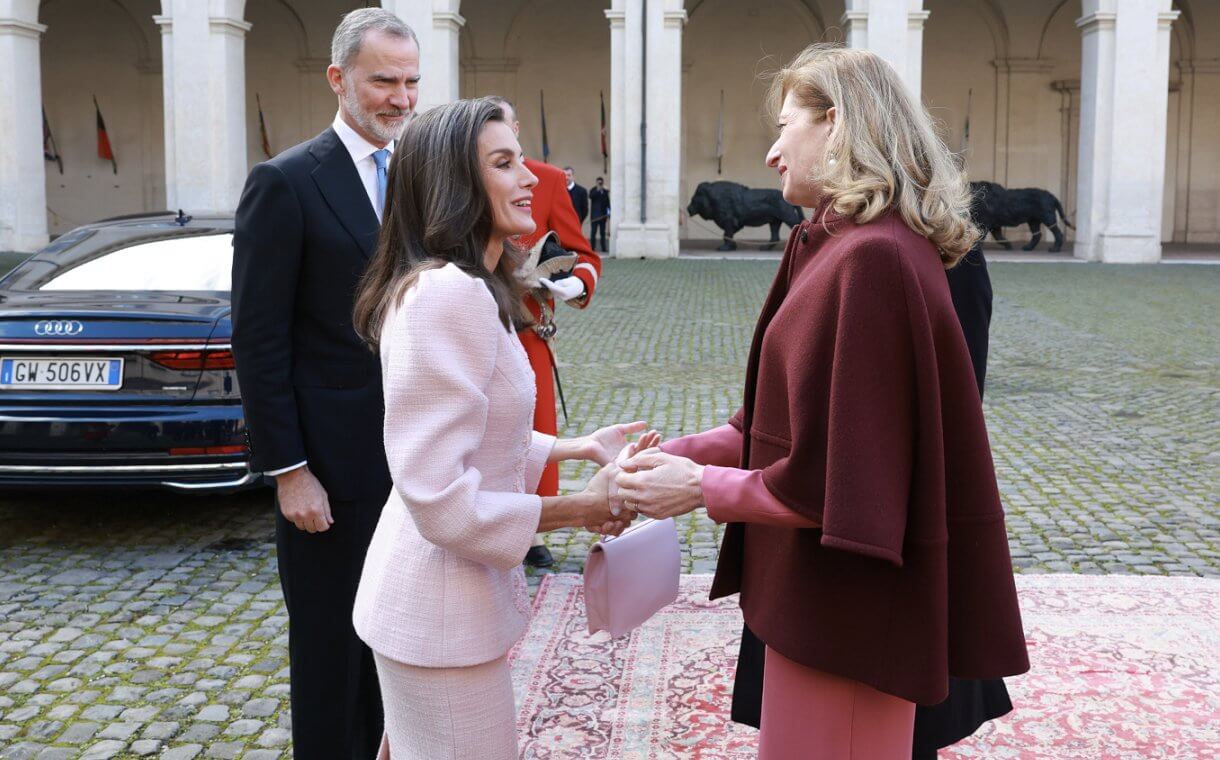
<point>660,485</point>
<point>605,444</point>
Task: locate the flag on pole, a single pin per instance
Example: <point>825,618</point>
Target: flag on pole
<point>262,127</point>
<point>49,151</point>
<point>720,135</point>
<point>605,153</point>
<point>966,127</point>
<point>546,148</point>
<point>104,150</point>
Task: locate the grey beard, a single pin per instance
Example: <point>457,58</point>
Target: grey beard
<point>369,121</point>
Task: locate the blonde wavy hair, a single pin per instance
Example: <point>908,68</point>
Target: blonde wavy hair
<point>886,152</point>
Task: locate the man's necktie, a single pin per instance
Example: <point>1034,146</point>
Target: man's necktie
<point>379,158</point>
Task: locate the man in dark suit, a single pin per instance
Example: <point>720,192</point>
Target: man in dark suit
<point>599,200</point>
<point>579,195</point>
<point>306,227</point>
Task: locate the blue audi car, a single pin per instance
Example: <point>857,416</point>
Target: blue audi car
<point>115,360</point>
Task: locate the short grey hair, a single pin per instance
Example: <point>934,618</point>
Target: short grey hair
<point>349,35</point>
<point>504,102</point>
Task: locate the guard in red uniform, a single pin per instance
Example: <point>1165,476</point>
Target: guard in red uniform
<point>552,211</point>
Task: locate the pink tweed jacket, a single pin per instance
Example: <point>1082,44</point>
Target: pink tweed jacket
<point>442,584</point>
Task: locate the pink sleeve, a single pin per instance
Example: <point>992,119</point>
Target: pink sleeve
<point>719,446</point>
<point>535,459</point>
<point>734,495</point>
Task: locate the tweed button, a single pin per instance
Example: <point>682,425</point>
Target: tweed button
<point>804,236</point>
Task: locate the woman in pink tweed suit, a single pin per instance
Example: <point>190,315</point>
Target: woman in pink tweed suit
<point>443,595</point>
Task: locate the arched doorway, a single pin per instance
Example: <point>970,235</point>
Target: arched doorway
<point>110,49</point>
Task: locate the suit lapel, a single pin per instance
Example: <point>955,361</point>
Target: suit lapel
<point>339,183</point>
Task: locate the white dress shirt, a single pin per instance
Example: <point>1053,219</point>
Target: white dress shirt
<point>361,151</point>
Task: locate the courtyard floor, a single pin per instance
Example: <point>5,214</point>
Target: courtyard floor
<point>152,624</point>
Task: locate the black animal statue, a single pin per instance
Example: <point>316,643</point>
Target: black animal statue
<point>733,206</point>
<point>994,207</point>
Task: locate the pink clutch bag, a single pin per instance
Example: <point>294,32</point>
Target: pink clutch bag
<point>628,579</point>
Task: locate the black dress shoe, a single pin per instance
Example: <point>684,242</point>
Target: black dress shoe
<point>539,556</point>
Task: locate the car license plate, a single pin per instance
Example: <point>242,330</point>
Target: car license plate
<point>61,373</point>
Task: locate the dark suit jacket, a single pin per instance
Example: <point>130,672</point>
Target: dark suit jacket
<point>310,387</point>
<point>970,287</point>
<point>580,201</point>
<point>600,201</point>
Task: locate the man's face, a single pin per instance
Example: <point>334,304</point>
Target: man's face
<point>599,182</point>
<point>571,175</point>
<point>379,88</point>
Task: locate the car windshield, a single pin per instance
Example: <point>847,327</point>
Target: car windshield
<point>196,262</point>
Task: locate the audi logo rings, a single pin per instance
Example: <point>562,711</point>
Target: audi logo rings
<point>58,327</point>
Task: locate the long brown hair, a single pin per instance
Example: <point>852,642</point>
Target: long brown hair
<point>886,151</point>
<point>437,213</point>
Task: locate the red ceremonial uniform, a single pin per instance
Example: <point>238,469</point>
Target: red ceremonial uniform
<point>553,211</point>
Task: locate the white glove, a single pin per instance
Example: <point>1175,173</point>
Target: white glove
<point>567,289</point>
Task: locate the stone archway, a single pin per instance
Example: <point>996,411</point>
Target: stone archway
<point>108,50</point>
<point>762,37</point>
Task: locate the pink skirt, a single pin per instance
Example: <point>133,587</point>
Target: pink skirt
<point>808,714</point>
<point>447,713</point>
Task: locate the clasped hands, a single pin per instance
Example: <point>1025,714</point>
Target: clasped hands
<point>638,478</point>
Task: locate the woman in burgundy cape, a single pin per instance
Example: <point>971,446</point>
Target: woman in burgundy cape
<point>970,703</point>
<point>865,531</point>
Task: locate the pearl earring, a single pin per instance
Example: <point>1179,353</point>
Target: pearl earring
<point>831,161</point>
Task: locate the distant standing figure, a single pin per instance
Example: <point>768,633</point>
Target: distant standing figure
<point>599,200</point>
<point>578,194</point>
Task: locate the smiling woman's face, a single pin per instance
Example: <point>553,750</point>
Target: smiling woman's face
<point>510,186</point>
<point>799,151</point>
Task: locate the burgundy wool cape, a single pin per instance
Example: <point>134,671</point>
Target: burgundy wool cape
<point>862,411</point>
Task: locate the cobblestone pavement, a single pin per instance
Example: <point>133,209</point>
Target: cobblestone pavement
<point>152,625</point>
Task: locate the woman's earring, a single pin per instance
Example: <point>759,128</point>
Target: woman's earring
<point>831,161</point>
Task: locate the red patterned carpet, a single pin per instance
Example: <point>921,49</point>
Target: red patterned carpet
<point>1123,667</point>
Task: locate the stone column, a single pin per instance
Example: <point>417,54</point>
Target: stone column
<point>1029,122</point>
<point>23,172</point>
<point>1124,92</point>
<point>620,106</point>
<point>204,64</point>
<point>152,133</point>
<point>646,175</point>
<point>1199,152</point>
<point>438,25</point>
<point>1069,128</point>
<point>893,29</point>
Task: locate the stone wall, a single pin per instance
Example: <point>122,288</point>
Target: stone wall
<point>1017,61</point>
